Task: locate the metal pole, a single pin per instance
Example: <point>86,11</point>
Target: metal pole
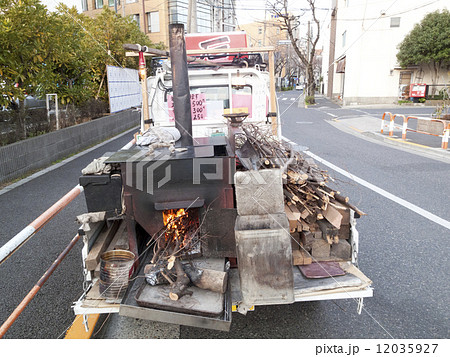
<point>143,77</point>
<point>273,103</point>
<point>57,111</point>
<point>16,313</point>
<point>192,17</point>
<point>19,239</point>
<point>47,105</point>
<point>180,84</point>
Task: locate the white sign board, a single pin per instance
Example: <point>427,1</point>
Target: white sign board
<point>124,88</point>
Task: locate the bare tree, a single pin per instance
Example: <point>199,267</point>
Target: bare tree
<point>291,23</point>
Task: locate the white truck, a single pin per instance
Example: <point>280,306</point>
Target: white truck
<point>258,254</point>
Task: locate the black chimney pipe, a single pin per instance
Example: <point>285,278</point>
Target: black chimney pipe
<point>180,84</point>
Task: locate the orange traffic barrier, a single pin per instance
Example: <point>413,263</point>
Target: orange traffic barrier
<point>445,134</point>
<point>391,123</point>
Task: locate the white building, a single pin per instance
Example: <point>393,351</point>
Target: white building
<point>360,64</point>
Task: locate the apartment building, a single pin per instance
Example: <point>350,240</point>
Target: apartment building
<point>154,16</point>
<point>264,33</point>
<point>359,62</point>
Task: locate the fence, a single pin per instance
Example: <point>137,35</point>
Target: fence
<point>35,153</point>
<point>445,124</point>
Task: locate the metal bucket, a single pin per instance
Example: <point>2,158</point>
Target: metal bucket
<point>115,268</point>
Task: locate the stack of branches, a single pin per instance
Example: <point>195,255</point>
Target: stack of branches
<point>312,203</point>
<point>174,246</point>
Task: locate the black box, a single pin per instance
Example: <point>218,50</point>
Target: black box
<point>103,193</point>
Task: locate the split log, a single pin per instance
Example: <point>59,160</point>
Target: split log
<point>208,279</point>
<point>329,232</point>
<point>179,288</point>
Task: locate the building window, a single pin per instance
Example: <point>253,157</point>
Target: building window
<point>395,21</point>
<point>344,38</point>
<point>278,30</point>
<point>153,21</point>
<point>135,17</point>
<point>204,17</point>
<point>84,5</point>
<point>259,43</point>
<point>98,4</point>
<point>259,30</point>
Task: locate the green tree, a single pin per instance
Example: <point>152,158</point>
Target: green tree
<point>109,31</point>
<point>428,44</point>
<point>24,27</point>
<point>69,57</point>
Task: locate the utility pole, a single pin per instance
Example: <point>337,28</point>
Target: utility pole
<point>192,17</point>
<point>265,19</point>
<point>145,30</point>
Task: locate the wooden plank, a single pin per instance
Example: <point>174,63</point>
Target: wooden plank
<point>100,245</point>
<point>301,257</point>
<point>333,216</point>
<point>291,218</point>
<point>320,249</point>
<point>344,232</point>
<point>295,211</point>
<point>342,250</point>
<point>120,240</point>
<point>344,211</point>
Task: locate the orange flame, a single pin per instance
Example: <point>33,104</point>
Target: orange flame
<point>171,215</point>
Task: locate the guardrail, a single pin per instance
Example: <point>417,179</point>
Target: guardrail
<point>445,133</point>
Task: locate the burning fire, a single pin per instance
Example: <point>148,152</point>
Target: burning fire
<point>170,216</point>
<point>179,226</point>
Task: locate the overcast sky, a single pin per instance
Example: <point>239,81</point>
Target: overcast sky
<point>51,4</point>
<point>247,10</point>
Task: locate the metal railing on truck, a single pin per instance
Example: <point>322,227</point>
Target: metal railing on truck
<point>7,250</point>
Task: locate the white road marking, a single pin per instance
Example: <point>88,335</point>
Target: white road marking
<point>334,116</point>
<point>292,98</point>
<point>284,99</point>
<point>304,122</point>
<point>432,217</point>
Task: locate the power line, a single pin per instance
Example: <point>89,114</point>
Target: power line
<point>398,13</point>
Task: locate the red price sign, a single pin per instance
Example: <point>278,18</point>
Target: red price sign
<point>198,106</point>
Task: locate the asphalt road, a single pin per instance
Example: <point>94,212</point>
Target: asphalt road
<point>50,313</point>
<point>403,253</point>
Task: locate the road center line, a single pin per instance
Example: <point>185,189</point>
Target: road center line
<point>432,217</point>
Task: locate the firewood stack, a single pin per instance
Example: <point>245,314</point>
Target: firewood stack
<point>319,217</point>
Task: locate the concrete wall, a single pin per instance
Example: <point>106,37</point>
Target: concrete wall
<point>35,153</point>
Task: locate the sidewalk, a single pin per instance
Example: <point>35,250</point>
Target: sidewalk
<point>369,126</point>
